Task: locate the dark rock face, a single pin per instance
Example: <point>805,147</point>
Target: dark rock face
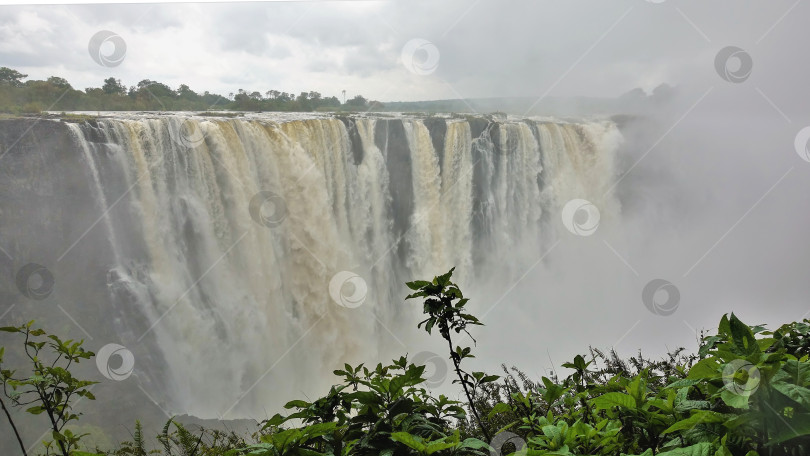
<point>44,190</point>
<point>389,135</point>
<point>354,138</point>
<point>49,216</point>
<point>477,126</point>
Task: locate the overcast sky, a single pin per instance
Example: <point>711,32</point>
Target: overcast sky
<point>484,48</point>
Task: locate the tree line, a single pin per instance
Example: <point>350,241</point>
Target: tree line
<point>57,94</point>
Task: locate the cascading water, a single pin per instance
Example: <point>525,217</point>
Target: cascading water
<point>224,234</point>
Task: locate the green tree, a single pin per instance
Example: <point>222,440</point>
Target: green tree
<point>157,89</point>
<point>113,86</point>
<point>331,102</point>
<point>358,101</point>
<point>11,77</point>
<point>185,92</point>
<point>59,82</point>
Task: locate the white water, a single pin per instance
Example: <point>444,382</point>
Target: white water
<point>241,312</point>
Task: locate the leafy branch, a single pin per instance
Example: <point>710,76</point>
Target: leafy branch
<point>50,387</point>
<point>444,305</point>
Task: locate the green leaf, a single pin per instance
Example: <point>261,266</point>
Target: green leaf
<point>741,420</point>
<point>409,440</point>
<point>284,439</point>
<point>433,447</point>
<point>499,408</point>
<point>742,337</point>
<point>684,382</point>
<point>580,363</point>
<point>647,452</point>
<point>798,426</point>
<point>365,397</point>
<point>799,394</point>
<point>795,372</point>
<point>276,420</point>
<point>417,284</point>
<point>444,279</point>
<point>614,399</point>
<point>296,404</point>
<point>735,400</point>
<point>552,432</point>
<point>704,369</point>
<point>316,430</point>
<point>724,327</point>
<point>699,417</point>
<point>791,381</point>
<point>723,451</point>
<point>396,384</point>
<point>686,405</point>
<point>473,444</point>
<point>429,325</point>
<point>700,449</point>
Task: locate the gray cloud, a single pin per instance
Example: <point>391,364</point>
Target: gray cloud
<point>487,48</point>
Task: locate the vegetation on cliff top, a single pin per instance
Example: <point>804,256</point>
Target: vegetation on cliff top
<point>56,94</point>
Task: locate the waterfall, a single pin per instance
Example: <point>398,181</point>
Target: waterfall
<point>99,191</point>
<point>229,234</point>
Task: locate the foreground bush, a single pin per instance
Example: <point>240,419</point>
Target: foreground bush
<point>745,392</point>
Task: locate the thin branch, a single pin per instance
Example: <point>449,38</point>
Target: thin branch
<point>13,426</point>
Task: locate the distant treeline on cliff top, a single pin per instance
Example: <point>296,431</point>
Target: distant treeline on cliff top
<point>56,94</point>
